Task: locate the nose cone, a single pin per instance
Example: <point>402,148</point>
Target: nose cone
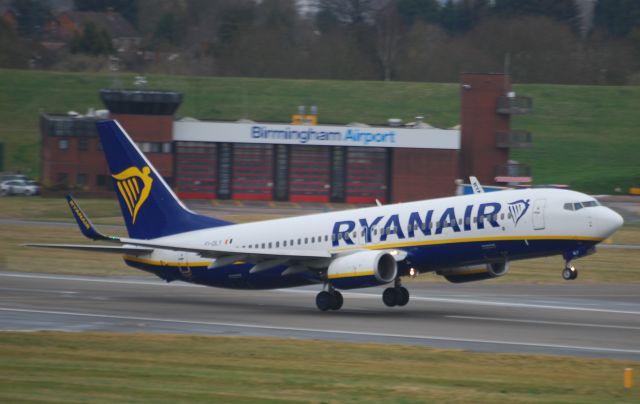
<point>611,222</point>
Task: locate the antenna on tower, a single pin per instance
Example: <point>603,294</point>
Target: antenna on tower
<point>507,68</point>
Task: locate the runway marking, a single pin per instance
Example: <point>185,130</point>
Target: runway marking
<point>326,331</point>
<point>515,320</point>
<point>64,292</point>
<point>346,294</point>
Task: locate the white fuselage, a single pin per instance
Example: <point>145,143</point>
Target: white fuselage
<point>436,233</point>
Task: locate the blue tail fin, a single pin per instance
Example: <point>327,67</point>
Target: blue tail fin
<point>149,207</point>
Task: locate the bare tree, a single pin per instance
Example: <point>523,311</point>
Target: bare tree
<point>389,28</point>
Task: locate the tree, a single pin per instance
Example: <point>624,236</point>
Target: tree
<point>424,10</point>
<point>127,8</point>
<point>30,15</point>
<point>617,17</point>
<point>388,26</point>
<point>13,52</point>
<point>92,41</point>
<point>350,12</point>
<point>170,30</point>
<point>561,10</point>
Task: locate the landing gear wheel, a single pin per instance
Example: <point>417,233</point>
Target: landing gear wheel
<point>390,297</point>
<point>569,273</point>
<point>324,301</point>
<point>403,296</point>
<point>337,301</point>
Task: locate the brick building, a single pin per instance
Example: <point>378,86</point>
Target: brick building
<point>258,161</point>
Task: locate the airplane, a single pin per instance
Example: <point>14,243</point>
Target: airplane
<point>462,238</point>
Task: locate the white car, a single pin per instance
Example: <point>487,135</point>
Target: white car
<point>19,187</point>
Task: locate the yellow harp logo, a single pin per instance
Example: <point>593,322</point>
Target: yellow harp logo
<point>134,187</point>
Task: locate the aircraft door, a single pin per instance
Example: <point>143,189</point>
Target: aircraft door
<point>183,265</point>
<point>538,214</point>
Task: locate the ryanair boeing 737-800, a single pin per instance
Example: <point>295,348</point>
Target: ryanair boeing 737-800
<point>463,238</point>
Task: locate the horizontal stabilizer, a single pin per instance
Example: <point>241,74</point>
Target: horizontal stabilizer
<point>131,250</point>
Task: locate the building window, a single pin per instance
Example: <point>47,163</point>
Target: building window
<point>63,144</point>
<point>83,143</point>
<point>62,179</point>
<point>81,180</point>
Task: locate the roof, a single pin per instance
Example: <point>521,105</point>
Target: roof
<point>111,22</point>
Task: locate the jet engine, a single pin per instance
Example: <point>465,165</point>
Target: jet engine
<point>475,272</point>
<point>362,269</point>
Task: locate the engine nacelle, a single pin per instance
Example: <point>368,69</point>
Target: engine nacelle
<point>475,272</point>
<point>362,269</point>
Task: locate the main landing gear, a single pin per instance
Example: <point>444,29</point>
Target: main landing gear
<point>569,272</point>
<point>329,299</point>
<point>398,295</point>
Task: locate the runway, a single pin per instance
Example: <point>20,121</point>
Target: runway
<point>563,319</point>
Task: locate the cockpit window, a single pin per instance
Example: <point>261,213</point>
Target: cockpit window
<point>573,206</point>
<point>590,204</point>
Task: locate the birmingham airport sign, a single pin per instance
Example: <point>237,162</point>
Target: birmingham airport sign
<point>420,138</point>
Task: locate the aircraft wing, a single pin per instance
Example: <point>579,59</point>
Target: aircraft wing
<point>216,252</point>
<point>132,250</point>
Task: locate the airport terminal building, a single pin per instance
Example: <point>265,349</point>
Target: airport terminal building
<point>247,160</point>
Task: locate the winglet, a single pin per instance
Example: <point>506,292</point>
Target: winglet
<point>86,227</point>
<point>475,185</point>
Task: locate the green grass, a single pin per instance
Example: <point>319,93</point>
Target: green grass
<point>584,135</point>
<point>96,368</point>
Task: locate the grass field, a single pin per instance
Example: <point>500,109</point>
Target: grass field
<point>133,368</point>
<point>585,136</point>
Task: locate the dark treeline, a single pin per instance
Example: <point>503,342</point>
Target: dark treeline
<point>550,41</point>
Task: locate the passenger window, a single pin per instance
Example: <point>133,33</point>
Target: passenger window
<point>262,245</point>
<point>333,237</point>
<point>424,226</point>
<point>284,243</point>
<point>306,240</point>
<point>326,237</point>
<point>475,219</point>
<point>299,241</point>
<point>270,244</point>
<point>313,240</point>
<point>502,216</point>
<point>277,244</point>
<point>375,231</point>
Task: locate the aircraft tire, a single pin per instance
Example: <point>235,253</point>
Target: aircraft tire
<point>569,274</point>
<point>403,296</point>
<point>338,300</point>
<point>390,297</point>
<point>325,300</point>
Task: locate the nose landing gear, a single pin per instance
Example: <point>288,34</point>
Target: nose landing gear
<point>569,272</point>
